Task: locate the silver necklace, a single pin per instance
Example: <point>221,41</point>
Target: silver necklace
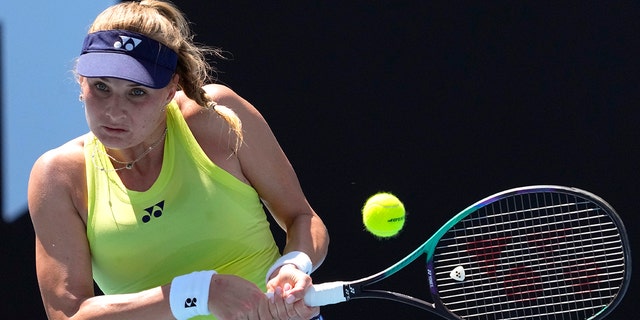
<point>127,165</point>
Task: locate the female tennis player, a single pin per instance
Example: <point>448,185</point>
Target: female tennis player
<point>161,203</point>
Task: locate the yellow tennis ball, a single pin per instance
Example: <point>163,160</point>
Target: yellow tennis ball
<point>383,215</point>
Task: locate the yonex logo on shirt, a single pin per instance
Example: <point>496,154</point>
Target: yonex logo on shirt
<point>153,211</point>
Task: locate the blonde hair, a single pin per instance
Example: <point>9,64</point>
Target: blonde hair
<point>165,23</point>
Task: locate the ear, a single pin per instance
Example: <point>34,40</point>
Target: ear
<point>172,87</point>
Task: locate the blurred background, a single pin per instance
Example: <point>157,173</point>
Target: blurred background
<point>440,102</point>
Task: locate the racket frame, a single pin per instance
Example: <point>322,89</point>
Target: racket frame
<point>356,289</point>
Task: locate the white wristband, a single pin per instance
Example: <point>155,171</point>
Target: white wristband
<point>189,295</point>
<point>298,258</point>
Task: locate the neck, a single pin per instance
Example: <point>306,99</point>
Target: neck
<point>130,164</point>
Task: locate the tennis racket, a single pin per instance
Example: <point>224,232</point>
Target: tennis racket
<point>537,252</point>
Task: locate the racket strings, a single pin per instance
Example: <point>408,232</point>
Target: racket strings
<point>538,255</point>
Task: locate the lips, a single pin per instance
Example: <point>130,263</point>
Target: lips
<point>113,129</point>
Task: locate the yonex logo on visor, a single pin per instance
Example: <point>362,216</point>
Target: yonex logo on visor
<point>128,43</point>
<point>127,55</point>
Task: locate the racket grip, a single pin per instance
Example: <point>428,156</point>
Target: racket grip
<point>325,293</point>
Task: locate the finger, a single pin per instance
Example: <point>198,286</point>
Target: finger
<point>296,292</point>
<point>277,307</point>
<point>285,310</point>
<point>289,297</point>
<point>305,312</point>
<point>290,307</point>
<point>264,311</point>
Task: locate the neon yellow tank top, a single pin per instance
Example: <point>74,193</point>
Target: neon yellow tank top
<point>195,216</point>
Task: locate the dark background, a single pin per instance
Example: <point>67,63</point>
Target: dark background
<point>440,102</point>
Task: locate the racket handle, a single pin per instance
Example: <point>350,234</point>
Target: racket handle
<point>325,293</point>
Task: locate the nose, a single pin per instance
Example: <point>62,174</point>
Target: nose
<point>115,108</point>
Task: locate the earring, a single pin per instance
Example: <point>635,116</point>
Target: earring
<point>81,98</point>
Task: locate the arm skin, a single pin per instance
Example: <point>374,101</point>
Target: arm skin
<point>265,166</point>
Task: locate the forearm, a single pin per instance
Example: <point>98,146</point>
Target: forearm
<point>307,239</point>
<point>148,304</point>
<point>225,296</point>
<point>307,233</point>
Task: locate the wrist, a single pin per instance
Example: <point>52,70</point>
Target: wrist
<point>298,259</point>
<point>189,294</point>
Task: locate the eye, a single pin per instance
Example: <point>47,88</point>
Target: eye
<point>101,86</point>
<point>138,92</point>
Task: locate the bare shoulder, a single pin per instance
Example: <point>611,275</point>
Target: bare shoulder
<point>69,156</point>
<point>221,94</point>
<point>201,120</point>
<point>225,96</point>
<point>207,122</point>
<point>58,177</point>
<point>213,130</point>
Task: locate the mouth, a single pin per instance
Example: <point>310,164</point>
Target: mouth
<point>112,136</point>
<point>113,130</point>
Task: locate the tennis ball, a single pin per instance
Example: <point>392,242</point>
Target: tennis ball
<point>383,215</point>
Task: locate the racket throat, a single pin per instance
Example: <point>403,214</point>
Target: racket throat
<point>351,291</point>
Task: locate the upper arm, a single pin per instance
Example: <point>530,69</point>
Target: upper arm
<point>63,263</point>
<point>264,163</point>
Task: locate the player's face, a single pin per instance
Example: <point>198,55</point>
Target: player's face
<point>122,113</point>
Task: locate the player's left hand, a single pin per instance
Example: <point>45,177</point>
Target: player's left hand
<point>288,285</point>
